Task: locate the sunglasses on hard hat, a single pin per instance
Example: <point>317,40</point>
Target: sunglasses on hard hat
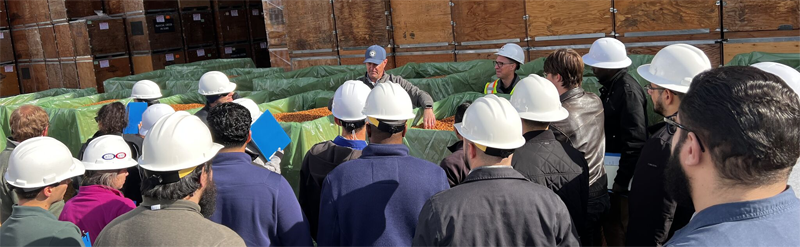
<point>673,126</point>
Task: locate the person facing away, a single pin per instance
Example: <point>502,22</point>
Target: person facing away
<point>39,172</point>
<point>375,199</point>
<point>256,203</point>
<point>99,201</point>
<point>654,215</point>
<point>455,165</point>
<point>323,157</point>
<point>133,183</point>
<point>178,190</point>
<point>495,205</point>
<point>543,159</point>
<point>737,139</point>
<point>26,122</point>
<point>584,130</point>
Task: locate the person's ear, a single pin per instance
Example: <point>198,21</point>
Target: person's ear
<point>691,155</point>
<point>249,137</point>
<point>48,191</point>
<point>405,129</point>
<point>46,128</point>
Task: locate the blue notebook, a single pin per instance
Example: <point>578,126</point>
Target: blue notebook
<point>268,135</point>
<point>135,111</point>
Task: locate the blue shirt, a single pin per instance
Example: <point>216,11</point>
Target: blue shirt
<point>376,199</point>
<point>354,144</point>
<point>773,221</point>
<point>257,203</point>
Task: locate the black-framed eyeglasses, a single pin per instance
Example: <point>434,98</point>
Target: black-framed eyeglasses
<point>673,126</point>
<point>501,64</point>
<point>650,87</point>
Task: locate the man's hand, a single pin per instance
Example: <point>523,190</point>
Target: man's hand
<point>619,190</point>
<point>429,118</point>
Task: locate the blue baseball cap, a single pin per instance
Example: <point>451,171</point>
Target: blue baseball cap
<point>375,54</point>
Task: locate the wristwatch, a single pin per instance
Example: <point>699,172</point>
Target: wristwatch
<point>428,106</point>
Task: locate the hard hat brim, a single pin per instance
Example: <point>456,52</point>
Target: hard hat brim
<point>91,166</point>
<point>512,59</point>
<point>644,72</point>
<point>607,65</point>
<point>519,142</point>
<point>208,155</point>
<point>547,117</point>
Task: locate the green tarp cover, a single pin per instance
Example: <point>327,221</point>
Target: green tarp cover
<point>746,59</point>
<point>160,77</point>
<point>425,70</point>
<point>23,98</point>
<point>216,64</point>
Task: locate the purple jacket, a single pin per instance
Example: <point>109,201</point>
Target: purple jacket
<point>94,207</point>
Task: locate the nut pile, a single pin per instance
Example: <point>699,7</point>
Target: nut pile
<point>444,124</point>
<point>302,116</point>
<point>183,107</point>
<point>101,102</point>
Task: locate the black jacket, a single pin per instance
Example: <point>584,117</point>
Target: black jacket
<point>318,162</point>
<point>454,164</point>
<point>584,131</point>
<point>495,207</point>
<point>653,216</point>
<point>132,188</point>
<point>625,106</point>
<point>559,167</point>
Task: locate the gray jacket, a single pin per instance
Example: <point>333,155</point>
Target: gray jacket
<point>174,223</point>
<point>418,97</point>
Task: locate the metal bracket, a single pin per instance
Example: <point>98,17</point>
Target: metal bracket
<point>526,17</point>
<point>723,3</point>
<point>386,12</point>
<point>452,4</point>
<point>453,23</point>
<point>389,28</point>
<point>334,32</point>
<point>612,10</point>
<point>527,39</point>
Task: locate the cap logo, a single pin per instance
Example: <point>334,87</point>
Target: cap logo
<point>372,53</point>
<point>121,155</point>
<point>109,156</point>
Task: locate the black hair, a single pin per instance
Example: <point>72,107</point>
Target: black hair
<point>229,124</point>
<point>350,126</point>
<point>148,101</point>
<point>21,194</point>
<point>748,120</point>
<point>113,117</point>
<point>460,110</point>
<point>177,190</point>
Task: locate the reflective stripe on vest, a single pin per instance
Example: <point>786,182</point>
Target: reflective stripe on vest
<point>491,87</point>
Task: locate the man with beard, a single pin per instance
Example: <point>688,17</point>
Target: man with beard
<point>653,214</point>
<point>737,138</point>
<point>255,202</point>
<point>178,191</point>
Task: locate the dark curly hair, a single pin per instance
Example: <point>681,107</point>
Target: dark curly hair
<point>112,118</point>
<point>229,124</point>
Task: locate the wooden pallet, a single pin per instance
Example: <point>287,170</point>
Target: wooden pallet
<point>92,72</point>
<point>258,29</point>
<point>47,35</point>
<point>232,25</point>
<point>665,17</point>
<point>9,81</point>
<point>437,54</point>
<point>279,57</point>
<point>154,32</point>
<point>558,19</point>
<point>54,74</point>
<point>310,26</point>
<point>411,31</point>
<point>758,15</point>
<point>196,26</point>
<point>275,23</point>
<point>27,12</point>
<point>761,41</point>
<point>6,47</point>
<point>201,53</point>
<point>63,10</point>
<point>157,60</point>
<point>94,37</point>
<point>305,60</point>
<point>27,44</point>
<point>69,72</point>
<point>261,53</point>
<point>479,22</point>
<point>33,77</point>
<point>361,23</point>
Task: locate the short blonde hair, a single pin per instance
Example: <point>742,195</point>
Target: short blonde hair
<point>28,121</point>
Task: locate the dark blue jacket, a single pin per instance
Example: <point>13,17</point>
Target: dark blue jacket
<point>375,200</point>
<point>257,203</point>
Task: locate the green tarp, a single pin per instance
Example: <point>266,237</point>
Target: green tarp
<point>215,64</point>
<point>746,59</point>
<point>160,77</point>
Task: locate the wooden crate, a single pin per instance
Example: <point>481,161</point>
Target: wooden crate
<point>232,25</point>
<point>558,19</point>
<point>229,3</point>
<point>411,31</point>
<point>196,26</point>
<point>48,36</point>
<point>32,77</point>
<point>25,12</point>
<point>403,56</point>
<point>92,72</point>
<point>158,60</point>
<point>357,56</point>
<point>96,37</point>
<point>279,57</point>
<point>3,17</point>
<point>63,10</point>
<point>479,22</point>
<point>6,47</point>
<point>637,18</point>
<point>69,72</point>
<point>275,22</point>
<point>27,44</point>
<point>9,81</point>
<point>361,23</point>
<point>258,29</point>
<point>154,32</point>
<point>261,53</point>
<point>305,60</point>
<point>311,26</point>
<point>54,74</point>
<point>709,47</point>
<point>475,52</point>
<point>758,15</point>
<point>761,41</point>
<point>194,4</point>
<point>65,41</point>
<point>138,7</point>
<point>580,46</point>
<point>238,50</point>
<point>201,53</point>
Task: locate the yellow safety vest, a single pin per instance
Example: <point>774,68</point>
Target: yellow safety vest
<point>491,87</point>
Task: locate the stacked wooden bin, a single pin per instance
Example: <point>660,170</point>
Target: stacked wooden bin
<point>197,20</point>
<point>277,40</point>
<point>745,28</point>
<point>9,83</point>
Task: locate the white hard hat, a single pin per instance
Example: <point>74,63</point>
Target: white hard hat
<point>178,141</point>
<point>214,83</point>
<point>607,53</point>
<point>251,106</point>
<point>675,66</point>
<point>145,89</point>
<point>537,99</point>
<point>512,51</point>
<point>152,115</point>
<point>389,101</point>
<point>108,152</point>
<point>41,161</point>
<point>491,121</point>
<point>349,101</point>
<point>790,75</point>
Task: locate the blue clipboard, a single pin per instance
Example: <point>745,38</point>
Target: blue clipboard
<point>268,135</point>
<point>135,111</point>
